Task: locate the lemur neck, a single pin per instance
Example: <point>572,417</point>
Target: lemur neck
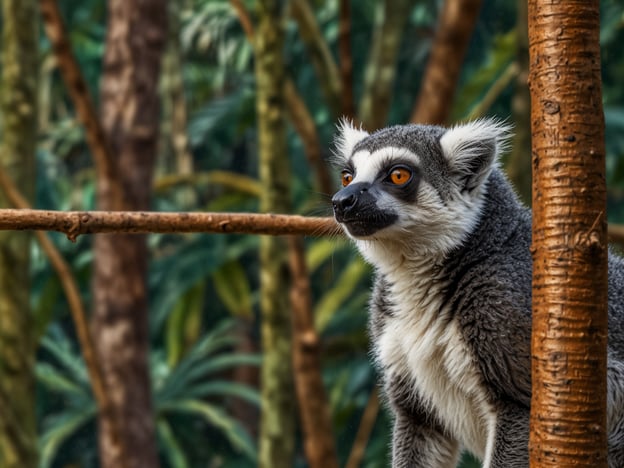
<point>398,261</point>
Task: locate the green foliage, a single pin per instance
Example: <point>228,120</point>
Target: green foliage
<point>194,389</point>
<point>203,287</point>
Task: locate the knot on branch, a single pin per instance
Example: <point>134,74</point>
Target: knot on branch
<point>309,340</point>
<point>75,228</point>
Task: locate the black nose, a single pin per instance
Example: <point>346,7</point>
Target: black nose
<point>345,200</point>
<point>343,203</point>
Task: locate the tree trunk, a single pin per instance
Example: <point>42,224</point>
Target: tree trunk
<point>568,407</point>
<point>277,425</point>
<point>18,107</point>
<point>314,410</point>
<point>130,115</point>
<point>457,21</point>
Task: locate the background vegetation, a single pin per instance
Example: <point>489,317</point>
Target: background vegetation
<point>204,290</point>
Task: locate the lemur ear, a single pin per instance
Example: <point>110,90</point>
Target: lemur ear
<point>348,136</point>
<point>472,150</point>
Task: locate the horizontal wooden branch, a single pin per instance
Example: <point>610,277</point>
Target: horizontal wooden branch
<point>75,223</point>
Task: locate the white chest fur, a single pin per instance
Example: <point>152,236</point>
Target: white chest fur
<point>418,341</point>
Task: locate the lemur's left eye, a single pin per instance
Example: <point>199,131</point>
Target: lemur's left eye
<point>400,175</point>
<point>347,177</point>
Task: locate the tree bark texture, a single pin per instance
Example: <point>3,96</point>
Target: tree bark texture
<point>75,223</point>
<point>135,43</point>
<point>277,424</point>
<point>381,67</point>
<point>568,407</point>
<point>314,409</point>
<point>18,106</point>
<point>435,99</point>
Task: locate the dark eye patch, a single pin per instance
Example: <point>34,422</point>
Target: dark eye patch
<point>407,192</point>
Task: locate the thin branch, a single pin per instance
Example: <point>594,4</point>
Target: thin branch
<point>232,180</point>
<point>72,293</point>
<point>304,124</point>
<point>367,423</point>
<point>243,18</point>
<point>481,108</point>
<point>78,90</point>
<point>323,62</point>
<point>75,223</point>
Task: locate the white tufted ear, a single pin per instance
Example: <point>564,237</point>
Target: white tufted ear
<point>472,150</point>
<point>348,136</point>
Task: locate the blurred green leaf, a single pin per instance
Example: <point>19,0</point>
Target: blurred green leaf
<point>183,324</point>
<point>232,287</point>
<point>214,416</point>
<point>57,382</point>
<point>173,451</point>
<point>344,287</point>
<point>224,388</point>
<point>59,347</point>
<point>497,59</point>
<point>320,250</point>
<point>60,429</point>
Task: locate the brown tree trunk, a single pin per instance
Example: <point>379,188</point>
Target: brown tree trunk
<point>130,116</point>
<point>312,399</point>
<point>18,107</point>
<point>568,407</point>
<point>457,21</point>
<point>277,421</point>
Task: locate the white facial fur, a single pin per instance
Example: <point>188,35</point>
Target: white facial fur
<point>436,222</point>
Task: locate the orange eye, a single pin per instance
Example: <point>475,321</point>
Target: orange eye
<point>400,175</point>
<point>347,177</point>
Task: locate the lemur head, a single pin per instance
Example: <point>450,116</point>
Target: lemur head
<point>415,184</point>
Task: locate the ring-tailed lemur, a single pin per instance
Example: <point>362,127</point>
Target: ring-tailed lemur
<point>450,314</point>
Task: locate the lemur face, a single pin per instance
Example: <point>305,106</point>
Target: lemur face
<point>415,182</point>
<point>374,186</point>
